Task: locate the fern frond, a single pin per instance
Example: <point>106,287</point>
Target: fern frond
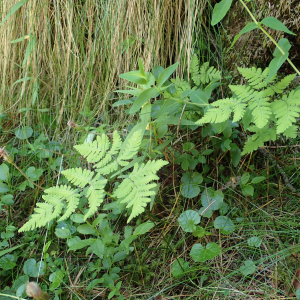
<point>286,110</point>
<point>94,151</point>
<point>255,77</point>
<point>65,192</point>
<point>95,194</point>
<point>257,140</point>
<point>283,83</point>
<point>260,109</point>
<point>207,74</point>
<point>194,70</point>
<point>291,132</point>
<point>135,190</point>
<point>78,176</point>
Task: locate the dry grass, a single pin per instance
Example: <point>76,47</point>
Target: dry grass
<point>80,48</point>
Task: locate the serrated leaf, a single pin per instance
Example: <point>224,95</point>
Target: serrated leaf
<point>248,268</point>
<point>201,254</point>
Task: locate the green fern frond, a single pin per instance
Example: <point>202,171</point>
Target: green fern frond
<point>207,74</point>
<point>70,195</point>
<point>194,70</point>
<point>286,110</point>
<point>260,110</point>
<point>96,150</point>
<point>78,176</point>
<point>95,194</point>
<point>243,92</point>
<point>136,188</point>
<point>291,132</point>
<point>283,83</point>
<point>255,77</point>
<point>257,140</point>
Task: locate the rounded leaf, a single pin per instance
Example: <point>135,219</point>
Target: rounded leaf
<point>254,241</point>
<point>201,254</point>
<point>24,133</point>
<point>247,268</point>
<point>179,267</point>
<point>34,269</point>
<point>212,199</point>
<point>225,224</point>
<point>188,220</point>
<point>190,187</point>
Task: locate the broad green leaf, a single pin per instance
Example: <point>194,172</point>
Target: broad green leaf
<point>188,146</point>
<point>245,178</point>
<point>165,74</point>
<point>248,267</point>
<point>279,57</point>
<point>199,97</point>
<point>212,199</point>
<point>235,156</point>
<point>34,269</point>
<point>179,267</point>
<point>86,229</point>
<point>3,187</point>
<point>98,248</point>
<point>201,254</point>
<point>56,278</point>
<point>13,10</point>
<point>142,99</point>
<point>249,27</point>
<point>7,262</point>
<point>276,24</point>
<point>24,133</point>
<point>143,228</point>
<point>258,179</point>
<point>248,190</point>
<point>190,184</point>
<point>200,232</point>
<point>207,152</point>
<point>4,172</point>
<point>168,106</point>
<point>62,233</point>
<point>225,224</point>
<point>80,244</point>
<point>156,71</point>
<point>135,77</point>
<point>254,241</point>
<point>220,10</point>
<point>122,102</point>
<point>162,131</point>
<point>188,220</point>
<point>7,200</point>
<point>78,218</point>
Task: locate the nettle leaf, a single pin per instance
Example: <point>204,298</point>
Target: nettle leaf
<point>254,241</point>
<point>179,267</point>
<point>188,220</point>
<point>190,184</point>
<point>225,224</point>
<point>201,254</point>
<point>248,267</point>
<point>34,269</point>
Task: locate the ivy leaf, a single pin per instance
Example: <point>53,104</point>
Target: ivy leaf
<point>201,254</point>
<point>34,269</point>
<point>190,187</point>
<point>188,220</point>
<point>225,224</point>
<point>247,268</point>
<point>179,267</point>
<point>254,241</point>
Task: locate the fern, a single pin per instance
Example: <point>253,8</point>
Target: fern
<point>106,157</point>
<point>204,74</point>
<point>136,188</point>
<point>257,96</point>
